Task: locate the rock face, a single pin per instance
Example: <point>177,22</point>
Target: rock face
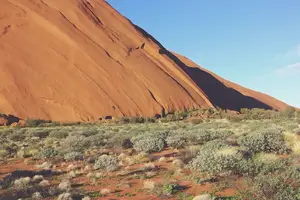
<point>77,60</point>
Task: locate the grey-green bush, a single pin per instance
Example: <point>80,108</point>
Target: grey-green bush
<point>58,134</point>
<point>216,157</point>
<point>202,136</point>
<point>48,152</point>
<point>175,141</point>
<point>106,162</point>
<point>18,135</point>
<point>98,140</point>
<point>277,186</point>
<point>148,143</point>
<point>268,140</point>
<point>77,143</point>
<point>214,163</point>
<point>256,165</point>
<point>41,133</point>
<point>73,156</point>
<point>214,145</point>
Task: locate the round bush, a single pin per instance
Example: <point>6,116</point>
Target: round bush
<point>148,143</point>
<point>218,161</point>
<point>264,141</point>
<point>107,162</point>
<point>48,152</point>
<point>77,143</point>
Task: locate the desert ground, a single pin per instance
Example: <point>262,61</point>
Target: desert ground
<point>254,155</point>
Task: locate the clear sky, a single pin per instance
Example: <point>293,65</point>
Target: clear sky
<point>255,43</point>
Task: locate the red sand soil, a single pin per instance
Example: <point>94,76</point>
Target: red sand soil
<point>78,60</point>
<point>11,166</point>
<point>127,184</point>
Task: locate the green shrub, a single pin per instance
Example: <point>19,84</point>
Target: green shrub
<point>175,141</point>
<point>137,120</point>
<point>11,148</point>
<point>199,137</point>
<point>289,112</point>
<point>98,140</point>
<point>148,143</point>
<point>165,191</point>
<point>77,143</point>
<point>18,135</point>
<point>35,122</point>
<point>170,189</point>
<point>203,136</point>
<point>58,134</point>
<point>31,151</point>
<point>264,141</point>
<point>106,162</point>
<point>73,156</point>
<point>291,126</point>
<point>124,120</point>
<point>277,186</point>
<point>259,114</point>
<point>150,120</point>
<point>3,153</point>
<point>48,152</point>
<point>214,145</point>
<point>117,141</point>
<point>90,132</point>
<point>215,158</point>
<point>261,164</point>
<point>134,120</point>
<point>41,133</point>
<point>220,134</point>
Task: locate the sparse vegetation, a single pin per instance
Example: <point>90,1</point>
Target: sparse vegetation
<point>49,152</point>
<point>106,162</point>
<point>72,156</point>
<point>148,143</point>
<point>267,140</point>
<point>254,153</point>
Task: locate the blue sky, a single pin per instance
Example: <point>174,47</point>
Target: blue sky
<point>253,43</point>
